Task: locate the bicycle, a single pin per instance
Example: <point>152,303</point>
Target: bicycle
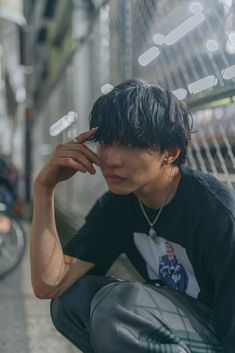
<point>12,235</point>
<point>12,241</point>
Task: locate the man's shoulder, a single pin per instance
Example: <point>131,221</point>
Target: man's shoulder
<point>207,187</point>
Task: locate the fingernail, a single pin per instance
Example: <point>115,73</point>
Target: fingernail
<point>94,128</point>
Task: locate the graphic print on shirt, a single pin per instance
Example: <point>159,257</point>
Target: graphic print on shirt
<point>168,262</point>
<point>171,271</point>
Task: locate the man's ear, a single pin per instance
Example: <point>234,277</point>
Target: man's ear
<point>171,155</point>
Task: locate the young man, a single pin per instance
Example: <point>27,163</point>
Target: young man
<point>174,224</point>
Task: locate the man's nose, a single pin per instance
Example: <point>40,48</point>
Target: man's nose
<point>111,157</point>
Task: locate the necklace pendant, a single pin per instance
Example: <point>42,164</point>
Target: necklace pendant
<point>152,233</point>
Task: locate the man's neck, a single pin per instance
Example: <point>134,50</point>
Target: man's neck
<point>154,194</point>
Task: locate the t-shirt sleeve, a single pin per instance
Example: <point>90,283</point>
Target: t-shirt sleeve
<point>221,261</point>
<point>96,240</point>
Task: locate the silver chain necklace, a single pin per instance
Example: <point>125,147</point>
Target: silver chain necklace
<point>152,232</point>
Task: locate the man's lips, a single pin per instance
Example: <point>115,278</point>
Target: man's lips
<point>113,176</point>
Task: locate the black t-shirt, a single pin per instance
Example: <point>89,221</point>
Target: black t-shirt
<point>194,251</point>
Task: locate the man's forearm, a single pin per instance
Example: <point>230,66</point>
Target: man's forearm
<point>46,255</point>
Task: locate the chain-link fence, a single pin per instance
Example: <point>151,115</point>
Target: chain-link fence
<point>188,47</point>
<point>176,43</point>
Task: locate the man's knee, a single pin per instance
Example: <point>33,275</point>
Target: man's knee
<point>109,314</point>
<point>114,296</point>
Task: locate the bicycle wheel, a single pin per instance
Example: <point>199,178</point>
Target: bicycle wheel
<point>12,242</point>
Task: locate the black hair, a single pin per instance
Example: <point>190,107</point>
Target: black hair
<point>142,115</point>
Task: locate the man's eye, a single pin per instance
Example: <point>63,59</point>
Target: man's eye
<point>103,143</point>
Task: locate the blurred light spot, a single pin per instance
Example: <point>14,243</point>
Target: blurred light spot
<point>212,45</point>
<point>229,72</point>
<point>202,84</point>
<point>180,93</point>
<point>62,123</point>
<point>196,7</point>
<point>159,39</point>
<point>227,3</point>
<point>230,44</point>
<point>184,28</point>
<point>106,88</point>
<point>148,56</point>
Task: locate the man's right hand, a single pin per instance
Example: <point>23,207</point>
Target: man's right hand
<point>67,160</point>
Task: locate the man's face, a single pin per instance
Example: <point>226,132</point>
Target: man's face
<point>170,251</point>
<point>127,169</point>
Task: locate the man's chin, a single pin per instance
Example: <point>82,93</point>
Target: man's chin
<point>119,190</point>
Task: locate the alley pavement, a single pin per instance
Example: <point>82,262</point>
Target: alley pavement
<point>25,324</point>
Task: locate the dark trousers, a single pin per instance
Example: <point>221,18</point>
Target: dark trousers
<point>106,315</point>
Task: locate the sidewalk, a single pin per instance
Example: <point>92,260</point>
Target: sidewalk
<point>25,325</point>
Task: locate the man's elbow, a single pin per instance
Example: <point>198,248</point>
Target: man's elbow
<point>45,292</point>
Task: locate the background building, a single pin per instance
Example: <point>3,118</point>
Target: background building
<point>12,81</point>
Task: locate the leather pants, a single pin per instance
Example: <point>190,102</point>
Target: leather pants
<point>107,315</point>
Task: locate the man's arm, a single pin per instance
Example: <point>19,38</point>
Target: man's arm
<point>51,271</point>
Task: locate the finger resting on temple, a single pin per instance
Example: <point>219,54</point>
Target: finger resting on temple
<point>79,154</point>
<point>84,136</point>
